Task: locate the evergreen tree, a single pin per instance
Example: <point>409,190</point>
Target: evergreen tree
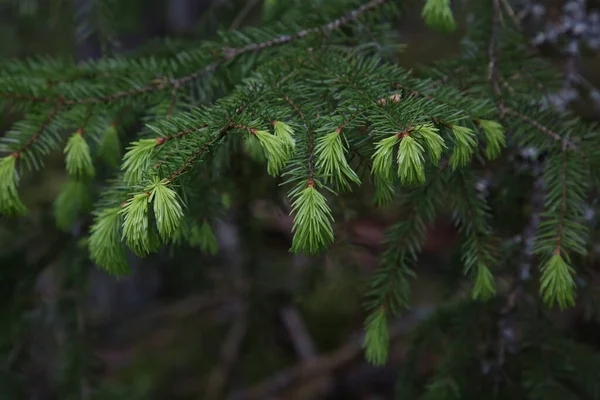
<point>317,97</point>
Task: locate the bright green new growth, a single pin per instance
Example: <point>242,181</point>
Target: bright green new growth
<point>110,147</point>
<point>484,287</point>
<point>136,230</point>
<point>331,160</point>
<point>73,200</point>
<point>411,168</point>
<point>557,284</point>
<point>137,159</point>
<point>376,342</point>
<point>276,150</point>
<point>438,15</point>
<point>167,209</point>
<point>286,134</point>
<point>312,224</point>
<point>428,136</point>
<point>207,239</point>
<point>464,146</point>
<point>105,245</point>
<point>78,160</point>
<point>494,136</point>
<point>10,204</point>
<point>383,158</point>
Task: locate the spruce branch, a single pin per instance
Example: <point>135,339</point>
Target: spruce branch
<point>189,162</point>
<point>563,199</point>
<point>228,54</point>
<point>471,214</point>
<point>33,139</point>
<point>493,75</point>
<point>389,287</point>
<point>545,130</point>
<point>561,231</point>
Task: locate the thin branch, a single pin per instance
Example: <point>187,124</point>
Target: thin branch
<point>163,139</point>
<point>192,159</point>
<point>321,365</point>
<point>20,96</point>
<point>237,21</point>
<point>506,322</point>
<point>311,159</point>
<point>541,128</point>
<point>493,59</point>
<point>303,343</point>
<point>173,100</point>
<point>563,201</point>
<point>511,12</point>
<point>229,54</point>
<point>229,353</point>
<point>290,102</point>
<point>232,53</point>
<point>88,115</point>
<point>351,118</point>
<point>41,129</point>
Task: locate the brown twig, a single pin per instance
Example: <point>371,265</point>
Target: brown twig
<point>191,159</point>
<point>228,55</point>
<point>229,353</point>
<point>173,100</point>
<point>294,106</point>
<point>540,127</point>
<point>301,339</point>
<point>493,75</point>
<point>42,127</point>
<point>563,199</point>
<point>321,365</point>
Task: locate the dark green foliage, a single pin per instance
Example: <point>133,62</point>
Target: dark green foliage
<point>324,106</point>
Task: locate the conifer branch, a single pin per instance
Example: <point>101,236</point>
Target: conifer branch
<point>173,100</point>
<point>355,114</point>
<point>389,288</point>
<point>291,103</point>
<point>203,149</point>
<point>311,160</point>
<point>29,98</point>
<point>228,55</point>
<point>541,128</point>
<point>86,119</point>
<point>455,106</point>
<point>563,201</point>
<point>82,76</point>
<point>471,214</point>
<point>163,139</point>
<point>39,132</point>
<point>493,75</point>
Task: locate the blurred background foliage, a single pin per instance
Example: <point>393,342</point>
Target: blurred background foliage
<point>250,320</point>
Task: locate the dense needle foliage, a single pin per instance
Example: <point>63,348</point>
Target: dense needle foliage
<point>318,97</point>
